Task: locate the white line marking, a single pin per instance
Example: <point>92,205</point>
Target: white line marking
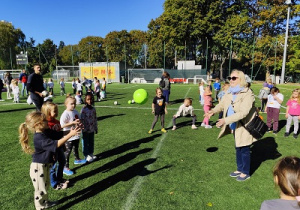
<point>137,185</point>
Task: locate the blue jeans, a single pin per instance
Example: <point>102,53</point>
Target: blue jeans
<point>88,143</point>
<point>166,94</point>
<point>24,88</point>
<point>56,172</point>
<point>243,159</point>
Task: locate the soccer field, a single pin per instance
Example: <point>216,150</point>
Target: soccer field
<point>181,169</point>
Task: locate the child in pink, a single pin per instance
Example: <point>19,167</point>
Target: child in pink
<point>207,106</point>
<point>293,113</point>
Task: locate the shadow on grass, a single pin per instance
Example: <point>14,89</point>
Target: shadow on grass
<point>16,110</point>
<point>281,124</point>
<point>262,150</point>
<point>108,116</point>
<point>110,165</point>
<point>138,169</point>
<point>177,101</point>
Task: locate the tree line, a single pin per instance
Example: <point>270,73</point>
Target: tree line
<point>244,33</point>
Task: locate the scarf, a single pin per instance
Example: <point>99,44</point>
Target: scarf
<point>234,91</point>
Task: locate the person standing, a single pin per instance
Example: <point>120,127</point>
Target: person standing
<point>166,86</point>
<point>35,87</point>
<point>23,78</point>
<point>217,87</point>
<point>238,106</point>
<point>7,81</point>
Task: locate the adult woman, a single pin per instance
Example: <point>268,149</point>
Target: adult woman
<point>166,86</point>
<point>237,105</point>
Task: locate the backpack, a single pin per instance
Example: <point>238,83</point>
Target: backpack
<point>162,83</point>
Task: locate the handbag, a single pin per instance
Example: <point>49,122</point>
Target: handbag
<point>256,127</point>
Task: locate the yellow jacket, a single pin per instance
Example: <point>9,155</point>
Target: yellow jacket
<point>244,108</point>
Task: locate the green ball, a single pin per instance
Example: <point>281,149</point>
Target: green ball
<point>129,102</point>
<point>140,96</point>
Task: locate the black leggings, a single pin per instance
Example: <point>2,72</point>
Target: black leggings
<point>162,120</point>
<point>193,119</point>
<point>69,146</point>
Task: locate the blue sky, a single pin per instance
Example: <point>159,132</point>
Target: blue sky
<point>71,20</point>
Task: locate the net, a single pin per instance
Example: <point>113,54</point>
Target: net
<point>66,72</point>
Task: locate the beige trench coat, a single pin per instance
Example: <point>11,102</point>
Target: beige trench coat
<point>244,108</point>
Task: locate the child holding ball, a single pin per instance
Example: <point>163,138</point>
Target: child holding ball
<point>286,175</point>
<point>44,148</point>
<point>90,128</point>
<point>185,110</point>
<point>293,113</point>
<point>159,109</point>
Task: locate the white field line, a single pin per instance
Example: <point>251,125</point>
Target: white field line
<point>137,185</point>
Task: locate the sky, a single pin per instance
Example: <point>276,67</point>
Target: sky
<point>71,20</point>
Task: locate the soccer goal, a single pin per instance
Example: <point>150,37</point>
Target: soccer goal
<point>197,79</point>
<point>15,73</point>
<point>66,72</point>
<point>144,75</point>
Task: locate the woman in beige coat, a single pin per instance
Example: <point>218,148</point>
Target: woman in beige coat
<point>237,105</point>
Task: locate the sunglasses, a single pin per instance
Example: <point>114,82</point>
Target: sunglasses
<point>232,78</point>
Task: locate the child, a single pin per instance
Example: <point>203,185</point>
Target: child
<point>45,84</point>
<point>62,86</point>
<point>41,159</point>
<point>74,86</point>
<point>79,86</point>
<point>68,119</point>
<point>15,90</point>
<point>50,110</point>
<point>201,92</point>
<point>97,89</point>
<point>103,89</point>
<point>273,107</point>
<point>209,85</point>
<point>90,128</point>
<point>220,96</point>
<point>1,87</point>
<point>286,177</point>
<point>51,86</point>
<point>185,110</point>
<point>270,84</point>
<point>263,96</point>
<point>217,87</point>
<point>78,98</point>
<point>207,106</point>
<point>293,113</point>
<point>159,108</point>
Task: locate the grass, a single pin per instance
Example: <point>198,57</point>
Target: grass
<point>182,169</point>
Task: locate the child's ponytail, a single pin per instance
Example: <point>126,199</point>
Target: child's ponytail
<point>24,138</point>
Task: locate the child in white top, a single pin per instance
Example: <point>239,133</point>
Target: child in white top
<point>90,128</point>
<point>293,113</point>
<point>78,98</point>
<point>97,89</point>
<point>51,86</point>
<point>15,90</point>
<point>185,110</point>
<point>103,89</point>
<point>70,118</point>
<point>79,86</point>
<point>286,177</point>
<point>62,86</point>
<point>272,108</point>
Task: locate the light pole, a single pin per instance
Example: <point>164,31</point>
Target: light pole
<point>288,2</point>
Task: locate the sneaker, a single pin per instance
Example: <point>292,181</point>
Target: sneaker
<point>68,172</point>
<point>295,135</point>
<point>163,130</point>
<point>89,158</point>
<point>50,204</point>
<point>79,161</point>
<point>150,131</point>
<point>202,125</point>
<point>64,185</point>
<point>286,134</point>
<point>58,187</point>
<point>194,127</point>
<point>208,126</point>
<point>241,179</point>
<point>94,157</point>
<point>269,130</point>
<point>235,174</point>
<point>174,128</point>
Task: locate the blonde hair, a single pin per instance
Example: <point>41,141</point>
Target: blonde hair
<point>33,121</point>
<point>189,100</point>
<point>242,77</point>
<point>296,90</point>
<point>47,108</point>
<point>287,175</point>
<point>69,98</point>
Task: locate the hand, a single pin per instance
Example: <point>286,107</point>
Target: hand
<point>166,112</point>
<point>208,114</point>
<point>75,122</point>
<point>75,131</point>
<point>286,116</point>
<point>40,94</point>
<point>174,116</point>
<point>152,111</point>
<point>220,122</point>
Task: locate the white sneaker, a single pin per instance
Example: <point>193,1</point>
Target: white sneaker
<point>194,127</point>
<point>89,158</point>
<point>94,157</point>
<point>208,126</point>
<point>203,125</point>
<point>174,128</point>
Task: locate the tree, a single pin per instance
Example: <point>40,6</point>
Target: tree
<point>91,49</point>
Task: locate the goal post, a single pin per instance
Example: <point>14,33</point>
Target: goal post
<point>66,72</point>
<point>144,75</point>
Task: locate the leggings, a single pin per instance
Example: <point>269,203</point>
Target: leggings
<point>289,122</point>
<point>69,146</point>
<point>162,121</point>
<point>193,119</point>
<point>206,119</point>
